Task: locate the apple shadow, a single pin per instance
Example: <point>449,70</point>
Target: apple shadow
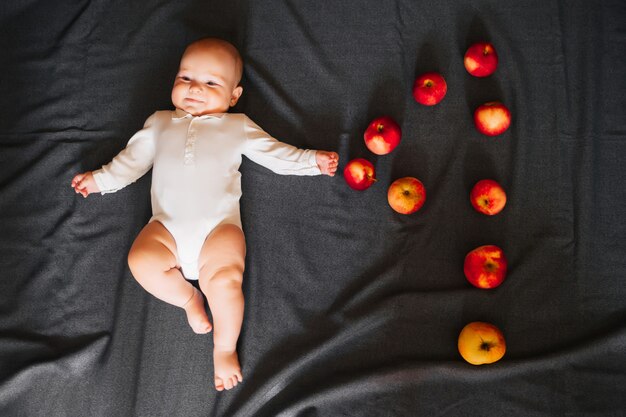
<point>483,158</point>
<point>413,163</point>
<point>411,159</point>
<point>384,101</point>
<point>428,59</point>
<point>480,164</point>
<point>476,31</point>
<point>479,90</point>
<point>477,165</point>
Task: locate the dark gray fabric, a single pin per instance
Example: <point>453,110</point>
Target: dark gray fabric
<point>351,309</point>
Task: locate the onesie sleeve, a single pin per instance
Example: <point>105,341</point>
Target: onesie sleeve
<point>131,163</point>
<point>277,156</point>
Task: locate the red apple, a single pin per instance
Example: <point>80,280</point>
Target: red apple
<point>406,195</point>
<point>485,266</point>
<point>382,135</point>
<point>481,59</point>
<point>488,197</point>
<point>429,88</point>
<point>359,174</point>
<point>492,118</point>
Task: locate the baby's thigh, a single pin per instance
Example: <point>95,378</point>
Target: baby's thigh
<point>225,247</point>
<point>154,247</point>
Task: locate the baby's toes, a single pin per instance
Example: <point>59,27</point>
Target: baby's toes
<point>228,384</point>
<point>219,384</point>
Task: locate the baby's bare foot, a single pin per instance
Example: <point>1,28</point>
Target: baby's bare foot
<point>227,368</point>
<point>196,313</point>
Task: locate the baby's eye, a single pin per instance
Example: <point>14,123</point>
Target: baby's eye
<point>211,83</point>
<point>184,78</point>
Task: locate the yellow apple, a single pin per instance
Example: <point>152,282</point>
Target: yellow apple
<point>406,195</point>
<point>481,343</point>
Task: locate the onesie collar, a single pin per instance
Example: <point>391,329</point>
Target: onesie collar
<point>179,114</point>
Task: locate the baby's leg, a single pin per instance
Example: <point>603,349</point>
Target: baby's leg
<point>152,261</point>
<point>222,261</point>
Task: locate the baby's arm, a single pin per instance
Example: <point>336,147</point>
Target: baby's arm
<point>130,164</point>
<point>283,158</point>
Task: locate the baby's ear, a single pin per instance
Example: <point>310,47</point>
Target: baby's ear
<point>237,92</point>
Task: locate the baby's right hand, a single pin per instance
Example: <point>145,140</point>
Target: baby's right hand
<point>85,184</point>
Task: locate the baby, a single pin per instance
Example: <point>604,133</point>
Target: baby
<point>195,231</point>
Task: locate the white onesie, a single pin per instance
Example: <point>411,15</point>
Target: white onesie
<point>196,183</point>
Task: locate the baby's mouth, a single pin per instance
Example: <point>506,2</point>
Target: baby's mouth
<point>193,100</point>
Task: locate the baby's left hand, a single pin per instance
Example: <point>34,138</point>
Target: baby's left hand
<point>327,162</point>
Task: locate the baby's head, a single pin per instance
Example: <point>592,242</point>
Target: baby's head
<point>208,78</point>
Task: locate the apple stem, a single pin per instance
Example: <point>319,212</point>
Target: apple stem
<point>491,266</point>
<point>380,128</point>
<point>485,346</point>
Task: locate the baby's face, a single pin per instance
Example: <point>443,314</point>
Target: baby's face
<point>207,80</point>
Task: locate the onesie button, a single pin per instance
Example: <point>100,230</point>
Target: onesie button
<point>190,145</point>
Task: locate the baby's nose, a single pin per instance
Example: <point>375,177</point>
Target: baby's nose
<point>195,86</point>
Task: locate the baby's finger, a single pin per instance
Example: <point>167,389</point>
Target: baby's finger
<point>77,179</point>
<point>82,190</point>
